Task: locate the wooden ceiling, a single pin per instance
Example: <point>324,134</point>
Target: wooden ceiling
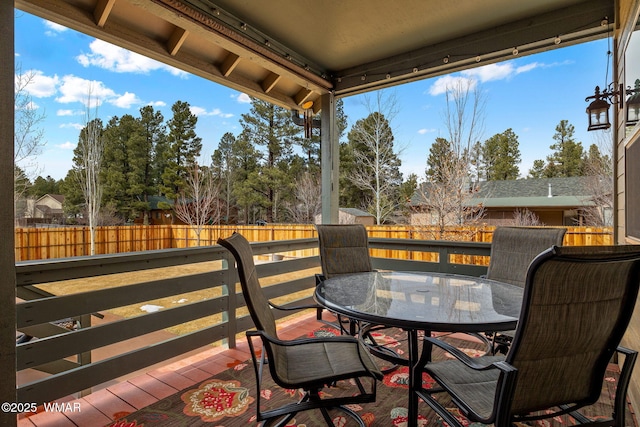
<point>292,51</point>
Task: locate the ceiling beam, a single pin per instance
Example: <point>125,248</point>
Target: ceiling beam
<point>229,64</point>
<point>522,37</point>
<point>302,96</point>
<point>102,11</point>
<point>176,40</point>
<point>270,82</point>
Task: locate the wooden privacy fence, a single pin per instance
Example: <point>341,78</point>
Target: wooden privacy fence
<point>66,242</point>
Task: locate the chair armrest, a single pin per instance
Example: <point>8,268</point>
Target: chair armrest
<point>298,341</point>
<point>293,308</point>
<point>476,363</point>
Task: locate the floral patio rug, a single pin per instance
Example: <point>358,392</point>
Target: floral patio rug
<point>228,399</point>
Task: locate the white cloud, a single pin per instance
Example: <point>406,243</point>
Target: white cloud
<point>91,93</point>
<point>528,67</point>
<point>157,103</point>
<point>487,73</point>
<point>67,146</point>
<point>125,101</point>
<point>77,126</point>
<point>36,84</point>
<point>54,29</point>
<point>199,111</point>
<point>243,98</point>
<point>424,131</point>
<point>70,89</point>
<point>491,72</point>
<point>119,60</point>
<point>62,113</point>
<point>441,85</point>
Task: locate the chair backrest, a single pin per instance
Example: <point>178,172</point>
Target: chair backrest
<point>257,302</point>
<point>513,249</point>
<point>344,249</point>
<point>577,304</point>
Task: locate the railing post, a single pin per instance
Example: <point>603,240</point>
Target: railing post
<point>229,271</point>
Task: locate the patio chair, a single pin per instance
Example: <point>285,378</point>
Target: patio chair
<point>512,250</point>
<point>577,304</point>
<point>344,249</point>
<point>310,364</point>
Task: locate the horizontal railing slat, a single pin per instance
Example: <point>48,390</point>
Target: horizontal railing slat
<point>52,309</point>
<point>86,376</point>
<point>43,271</point>
<point>34,353</point>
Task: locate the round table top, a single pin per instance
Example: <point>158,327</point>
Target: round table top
<point>424,300</point>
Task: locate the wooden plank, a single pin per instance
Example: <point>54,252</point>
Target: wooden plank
<point>51,309</point>
<point>84,377</point>
<point>32,354</point>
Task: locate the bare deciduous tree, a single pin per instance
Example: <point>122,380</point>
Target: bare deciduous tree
<point>198,203</point>
<point>525,218</point>
<point>446,194</point>
<point>377,165</point>
<point>88,162</point>
<point>28,137</point>
<point>598,168</point>
<point>445,199</point>
<point>308,201</point>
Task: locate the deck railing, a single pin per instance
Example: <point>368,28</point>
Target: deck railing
<point>212,313</point>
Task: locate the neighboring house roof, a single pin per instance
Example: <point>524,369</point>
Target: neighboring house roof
<point>56,197</point>
<point>154,200</point>
<point>355,212</point>
<point>543,192</point>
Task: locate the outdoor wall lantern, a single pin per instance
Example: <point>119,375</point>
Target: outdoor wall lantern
<point>633,106</point>
<point>598,110</point>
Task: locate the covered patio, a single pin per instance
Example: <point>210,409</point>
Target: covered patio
<point>299,55</point>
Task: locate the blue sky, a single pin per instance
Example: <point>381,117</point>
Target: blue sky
<point>528,94</point>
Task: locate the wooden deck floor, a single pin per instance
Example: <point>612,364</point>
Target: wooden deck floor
<point>107,404</point>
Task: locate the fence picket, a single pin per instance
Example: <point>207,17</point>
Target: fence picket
<point>64,242</point>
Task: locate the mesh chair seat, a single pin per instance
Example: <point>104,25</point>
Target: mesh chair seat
<point>475,388</point>
<point>311,364</point>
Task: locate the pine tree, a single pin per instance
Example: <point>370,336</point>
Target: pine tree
<point>439,153</point>
<point>182,151</point>
<point>500,156</point>
<point>247,162</point>
<point>271,127</point>
<point>144,177</point>
<point>566,161</point>
<point>223,166</point>
<point>538,169</point>
<point>116,164</point>
<point>567,157</point>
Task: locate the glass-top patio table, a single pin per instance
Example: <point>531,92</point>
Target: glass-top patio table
<point>422,301</point>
